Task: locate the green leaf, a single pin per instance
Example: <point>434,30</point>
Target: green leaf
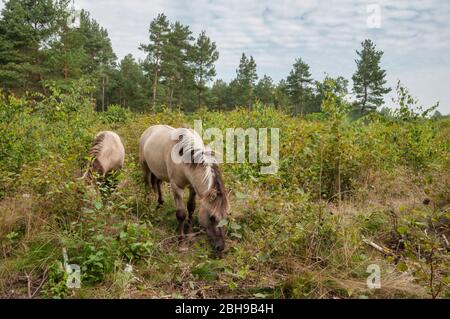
<point>98,205</point>
<point>222,223</point>
<point>12,235</point>
<point>205,272</point>
<point>239,236</point>
<point>123,235</point>
<point>242,273</point>
<point>240,195</point>
<point>232,285</point>
<point>99,237</point>
<point>421,224</point>
<point>402,230</point>
<point>235,226</point>
<point>176,295</point>
<point>402,267</point>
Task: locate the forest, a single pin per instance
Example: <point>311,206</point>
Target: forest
<point>361,181</point>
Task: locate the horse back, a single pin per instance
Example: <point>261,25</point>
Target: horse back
<point>155,150</point>
<point>108,151</point>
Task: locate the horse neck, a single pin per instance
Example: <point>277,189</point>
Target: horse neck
<point>198,181</point>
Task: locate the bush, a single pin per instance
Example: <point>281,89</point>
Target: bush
<point>116,115</point>
<point>311,215</point>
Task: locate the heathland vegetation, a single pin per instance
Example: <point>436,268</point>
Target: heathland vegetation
<point>360,182</point>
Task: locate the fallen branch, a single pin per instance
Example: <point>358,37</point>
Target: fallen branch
<point>381,249</point>
<point>338,194</point>
<point>445,240</point>
<point>28,285</point>
<point>387,251</point>
<point>44,278</point>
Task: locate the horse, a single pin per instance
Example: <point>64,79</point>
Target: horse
<point>108,154</point>
<point>179,157</point>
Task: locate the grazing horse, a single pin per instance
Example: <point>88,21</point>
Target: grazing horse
<point>178,156</point>
<point>107,152</point>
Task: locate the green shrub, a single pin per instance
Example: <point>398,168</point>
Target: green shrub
<point>56,284</point>
<point>116,114</point>
<point>279,224</point>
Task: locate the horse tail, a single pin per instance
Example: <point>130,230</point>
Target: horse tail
<point>147,173</point>
<point>97,145</point>
<point>154,182</point>
<point>88,176</point>
<point>94,152</point>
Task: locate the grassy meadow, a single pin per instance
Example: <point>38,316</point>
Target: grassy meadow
<point>348,194</point>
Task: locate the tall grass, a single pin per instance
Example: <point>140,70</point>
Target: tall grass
<point>301,233</point>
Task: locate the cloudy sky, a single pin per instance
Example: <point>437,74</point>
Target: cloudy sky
<point>414,34</point>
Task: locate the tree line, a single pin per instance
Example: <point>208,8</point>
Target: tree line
<point>39,46</point>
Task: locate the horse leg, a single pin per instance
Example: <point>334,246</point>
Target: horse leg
<point>153,182</point>
<point>146,171</point>
<point>147,175</point>
<point>181,210</point>
<point>160,196</point>
<point>191,207</point>
<point>97,166</point>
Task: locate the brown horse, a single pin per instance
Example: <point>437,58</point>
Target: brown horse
<point>178,156</point>
<point>107,152</point>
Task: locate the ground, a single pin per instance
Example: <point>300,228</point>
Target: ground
<point>290,235</point>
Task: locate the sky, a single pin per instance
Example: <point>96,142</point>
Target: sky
<point>414,35</point>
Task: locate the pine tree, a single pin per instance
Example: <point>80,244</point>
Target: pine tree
<point>281,97</point>
<point>175,69</point>
<point>66,55</point>
<point>369,79</point>
<point>159,36</point>
<point>221,95</point>
<point>25,28</point>
<point>203,57</point>
<point>36,45</point>
<point>129,85</point>
<point>84,51</point>
<point>245,81</point>
<point>299,87</point>
<point>265,90</point>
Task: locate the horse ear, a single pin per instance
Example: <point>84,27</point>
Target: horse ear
<point>181,153</point>
<point>212,196</point>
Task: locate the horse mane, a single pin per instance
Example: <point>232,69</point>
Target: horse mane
<point>97,145</point>
<point>195,154</point>
<point>94,151</point>
<point>218,195</point>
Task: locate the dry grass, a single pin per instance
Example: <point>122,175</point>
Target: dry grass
<point>14,212</point>
<point>291,245</point>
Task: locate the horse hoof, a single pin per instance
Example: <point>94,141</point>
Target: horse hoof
<point>188,230</point>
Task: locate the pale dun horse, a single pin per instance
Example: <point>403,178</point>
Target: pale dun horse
<point>178,156</point>
<point>108,154</point>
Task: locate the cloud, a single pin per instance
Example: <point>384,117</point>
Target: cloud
<point>414,35</point>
